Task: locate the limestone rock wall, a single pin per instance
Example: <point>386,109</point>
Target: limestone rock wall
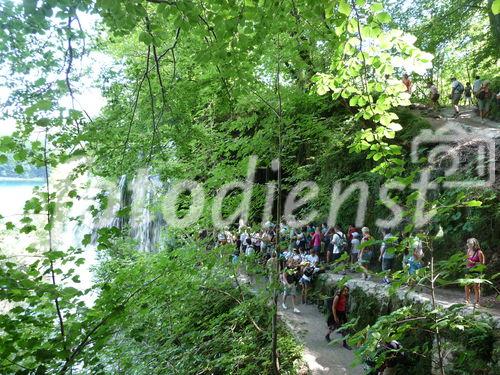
<point>369,300</point>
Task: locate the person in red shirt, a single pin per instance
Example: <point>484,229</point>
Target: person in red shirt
<point>316,240</point>
<point>338,314</point>
<point>350,231</point>
<point>407,82</point>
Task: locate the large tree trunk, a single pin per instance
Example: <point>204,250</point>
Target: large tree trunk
<point>495,28</point>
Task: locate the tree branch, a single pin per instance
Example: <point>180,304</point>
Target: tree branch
<point>136,101</point>
<point>236,300</point>
<point>49,231</point>
<point>169,2</point>
<point>78,349</point>
<point>69,58</point>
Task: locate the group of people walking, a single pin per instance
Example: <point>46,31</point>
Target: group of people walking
<point>311,250</point>
<point>479,94</point>
<point>480,91</point>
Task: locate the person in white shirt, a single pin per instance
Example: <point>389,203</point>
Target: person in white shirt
<point>387,254</point>
<point>337,240</point>
<point>295,260</point>
<point>249,250</point>
<point>221,238</point>
<point>457,89</point>
<point>287,254</point>
<point>243,239</point>
<point>313,258</point>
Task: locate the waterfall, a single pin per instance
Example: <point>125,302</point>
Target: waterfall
<point>122,202</point>
<point>145,219</point>
<point>132,206</point>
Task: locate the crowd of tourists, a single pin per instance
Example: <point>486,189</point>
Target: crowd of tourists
<point>305,252</point>
<point>479,94</point>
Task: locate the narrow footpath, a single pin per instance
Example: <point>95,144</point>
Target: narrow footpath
<point>309,327</point>
<point>321,357</point>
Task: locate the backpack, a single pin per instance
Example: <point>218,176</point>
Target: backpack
<point>341,242</point>
<point>368,249</point>
<point>459,89</point>
<point>482,94</point>
<point>328,306</point>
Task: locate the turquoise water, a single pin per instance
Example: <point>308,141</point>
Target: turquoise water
<point>13,194</point>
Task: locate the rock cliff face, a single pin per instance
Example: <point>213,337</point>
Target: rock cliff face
<point>369,300</point>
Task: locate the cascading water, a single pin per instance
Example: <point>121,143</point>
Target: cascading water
<point>119,221</point>
<point>138,197</point>
<point>145,222</point>
<point>73,220</point>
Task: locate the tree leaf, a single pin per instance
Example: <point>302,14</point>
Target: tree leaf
<point>145,38</point>
<point>473,203</point>
<point>377,7</point>
<point>344,7</point>
<point>495,7</point>
<point>19,169</point>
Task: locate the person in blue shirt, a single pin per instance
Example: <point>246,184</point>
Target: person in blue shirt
<point>414,261</point>
<point>387,254</point>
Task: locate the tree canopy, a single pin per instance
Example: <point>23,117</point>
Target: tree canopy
<point>191,90</point>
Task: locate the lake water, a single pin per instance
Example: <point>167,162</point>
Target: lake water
<point>13,194</point>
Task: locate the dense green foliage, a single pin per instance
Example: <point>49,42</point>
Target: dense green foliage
<point>192,90</point>
<point>201,322</point>
<point>463,36</point>
<point>181,310</point>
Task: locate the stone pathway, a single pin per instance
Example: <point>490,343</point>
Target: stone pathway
<point>309,326</point>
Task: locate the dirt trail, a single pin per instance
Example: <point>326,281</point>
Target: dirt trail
<point>467,117</point>
<point>322,358</point>
<point>309,327</point>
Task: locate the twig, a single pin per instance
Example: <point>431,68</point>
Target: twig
<point>265,102</point>
<point>274,318</point>
<point>103,321</point>
<point>236,300</point>
<point>83,33</point>
<point>172,47</point>
<point>136,101</point>
<point>69,59</point>
<point>169,2</point>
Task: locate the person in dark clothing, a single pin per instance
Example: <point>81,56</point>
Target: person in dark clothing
<point>468,94</point>
<point>392,357</point>
<point>338,315</point>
